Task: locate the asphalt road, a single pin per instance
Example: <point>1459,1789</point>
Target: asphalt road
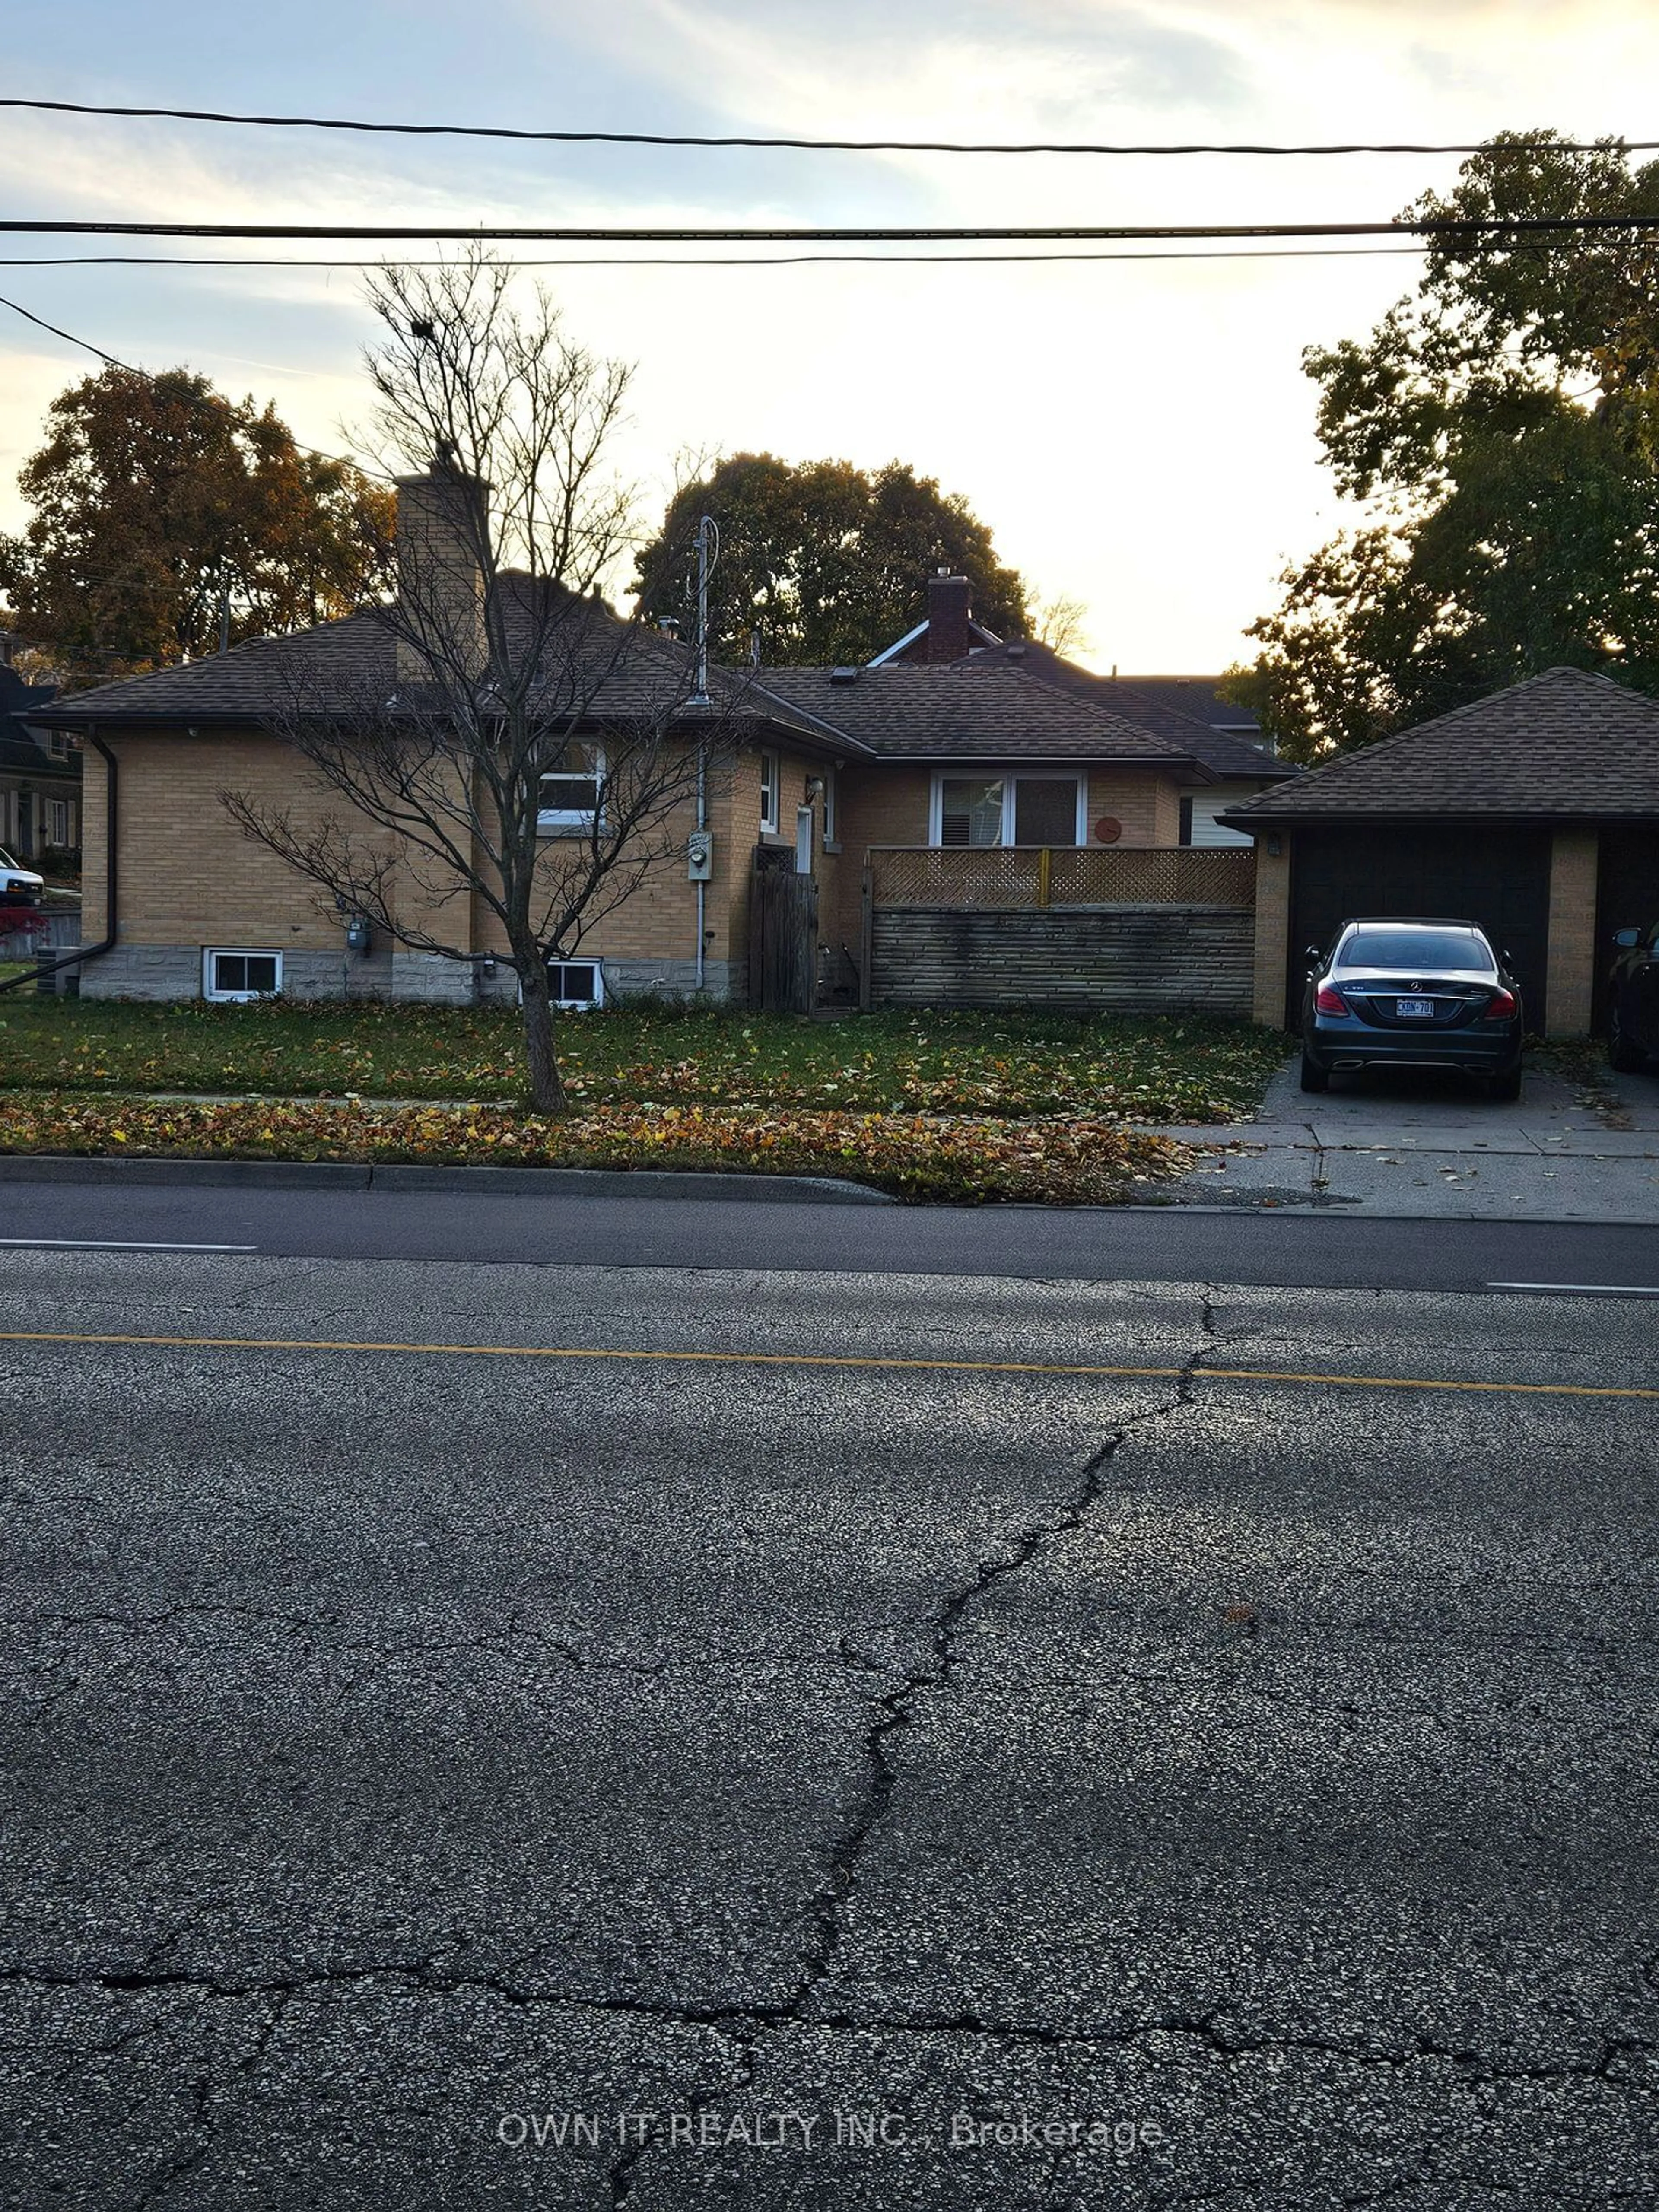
<point>798,1705</point>
<point>1160,1244</point>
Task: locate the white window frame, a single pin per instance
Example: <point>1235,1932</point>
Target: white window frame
<point>831,809</point>
<point>212,952</point>
<point>973,772</point>
<point>555,968</point>
<point>771,783</point>
<point>52,837</point>
<point>573,821</point>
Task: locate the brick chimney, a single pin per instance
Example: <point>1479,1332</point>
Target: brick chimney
<point>442,526</point>
<point>948,608</point>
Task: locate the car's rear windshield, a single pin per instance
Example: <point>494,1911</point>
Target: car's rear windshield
<point>1415,948</point>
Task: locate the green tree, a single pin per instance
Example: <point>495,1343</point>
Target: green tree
<point>154,497</point>
<point>826,561</point>
<point>1501,427</point>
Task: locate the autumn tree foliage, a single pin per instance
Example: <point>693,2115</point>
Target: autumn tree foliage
<point>156,500</point>
<point>1499,429</point>
<point>827,562</point>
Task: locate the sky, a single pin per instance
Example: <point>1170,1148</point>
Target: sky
<point>1138,435</point>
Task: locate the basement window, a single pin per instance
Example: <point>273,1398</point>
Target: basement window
<point>575,984</point>
<point>229,977</point>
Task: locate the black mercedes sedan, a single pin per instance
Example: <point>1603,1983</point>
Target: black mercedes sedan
<point>1407,994</point>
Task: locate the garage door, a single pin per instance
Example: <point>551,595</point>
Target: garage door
<point>1627,897</point>
<point>1498,878</point>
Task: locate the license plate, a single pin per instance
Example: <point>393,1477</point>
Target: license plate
<point>1421,1009</point>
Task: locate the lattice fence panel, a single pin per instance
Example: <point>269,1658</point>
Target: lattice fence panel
<point>1151,876</point>
<point>959,875</point>
<point>1014,877</point>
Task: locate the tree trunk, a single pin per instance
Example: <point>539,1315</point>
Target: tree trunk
<point>546,1091</point>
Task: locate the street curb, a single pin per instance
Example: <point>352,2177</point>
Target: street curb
<point>1354,1216</point>
<point>353,1174</point>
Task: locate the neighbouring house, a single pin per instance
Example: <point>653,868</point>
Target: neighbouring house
<point>39,776</point>
<point>930,811</point>
<point>1534,812</point>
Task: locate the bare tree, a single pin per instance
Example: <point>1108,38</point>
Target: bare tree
<point>513,745</point>
<point>1059,623</point>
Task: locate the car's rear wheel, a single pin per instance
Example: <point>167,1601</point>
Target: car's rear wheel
<point>1507,1085</point>
<point>1622,1054</point>
<point>1314,1077</point>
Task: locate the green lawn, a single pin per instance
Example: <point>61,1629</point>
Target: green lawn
<point>1177,1068</point>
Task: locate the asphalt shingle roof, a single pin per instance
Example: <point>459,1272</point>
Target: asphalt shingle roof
<point>1222,751</point>
<point>616,670</point>
<point>985,708</point>
<point>1564,745</point>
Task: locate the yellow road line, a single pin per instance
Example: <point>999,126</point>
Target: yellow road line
<point>837,1359</point>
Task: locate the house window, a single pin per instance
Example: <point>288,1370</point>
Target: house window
<point>575,984</point>
<point>970,810</point>
<point>58,745</point>
<point>58,828</point>
<point>569,802</point>
<point>769,781</point>
<point>1007,810</point>
<point>831,809</point>
<point>1045,809</point>
<point>230,975</point>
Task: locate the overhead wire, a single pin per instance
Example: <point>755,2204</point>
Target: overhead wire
<point>769,142</point>
<point>132,368</point>
<point>1472,228</point>
<point>702,260</point>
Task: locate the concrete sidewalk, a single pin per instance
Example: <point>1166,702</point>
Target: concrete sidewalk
<point>1419,1143</point>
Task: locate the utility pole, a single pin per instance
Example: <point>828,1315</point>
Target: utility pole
<point>708,552</point>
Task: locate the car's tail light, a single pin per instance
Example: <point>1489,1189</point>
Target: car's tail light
<point>1500,1007</point>
<point>1329,1001</point>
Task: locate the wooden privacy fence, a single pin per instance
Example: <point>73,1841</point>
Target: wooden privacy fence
<point>783,937</point>
<point>1150,929</point>
<point>61,934</point>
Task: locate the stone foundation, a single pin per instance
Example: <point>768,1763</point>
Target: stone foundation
<point>175,971</point>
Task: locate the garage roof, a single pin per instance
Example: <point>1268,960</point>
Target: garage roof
<point>1566,744</point>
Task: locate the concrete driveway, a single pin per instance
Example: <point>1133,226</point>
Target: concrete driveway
<point>1400,1142</point>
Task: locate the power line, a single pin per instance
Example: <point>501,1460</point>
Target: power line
<point>1472,228</point>
<point>131,369</point>
<point>70,338</point>
<point>706,261</point>
<point>792,145</point>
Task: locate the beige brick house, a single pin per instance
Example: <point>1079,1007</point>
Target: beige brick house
<point>966,748</point>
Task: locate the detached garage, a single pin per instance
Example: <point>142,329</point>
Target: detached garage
<point>1534,812</point>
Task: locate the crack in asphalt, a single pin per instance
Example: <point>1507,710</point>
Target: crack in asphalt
<point>894,1711</point>
<point>746,2019</point>
<point>738,2027</point>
